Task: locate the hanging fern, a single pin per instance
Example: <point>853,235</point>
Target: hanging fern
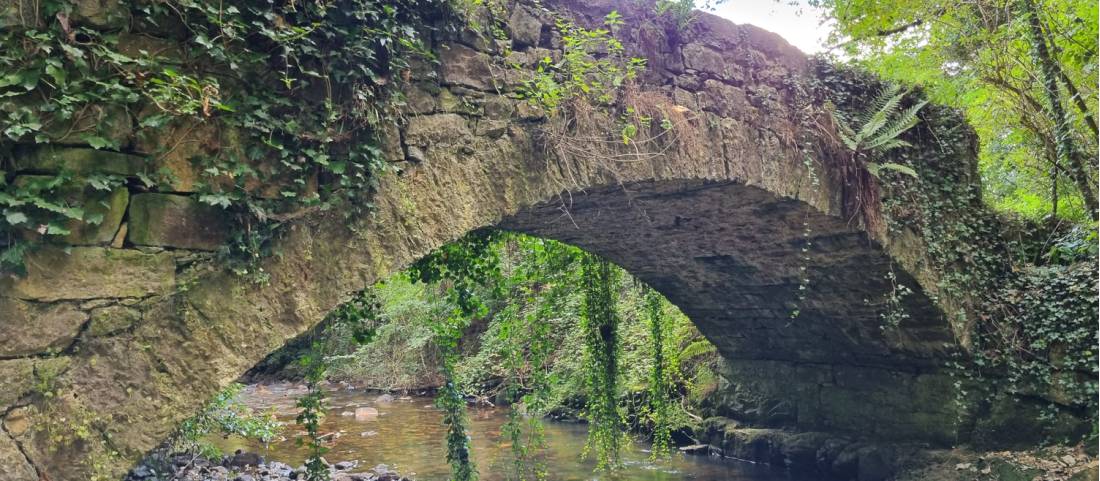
<point>868,136</point>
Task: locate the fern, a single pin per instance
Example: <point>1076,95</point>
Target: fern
<point>878,129</point>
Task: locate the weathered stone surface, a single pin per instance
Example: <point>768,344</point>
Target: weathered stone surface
<point>15,13</point>
<point>23,375</point>
<point>710,63</point>
<point>438,129</point>
<point>52,158</point>
<point>168,220</point>
<point>462,65</point>
<point>13,465</point>
<point>526,28</point>
<point>176,150</point>
<point>31,328</point>
<point>101,13</point>
<point>110,320</point>
<point>91,273</point>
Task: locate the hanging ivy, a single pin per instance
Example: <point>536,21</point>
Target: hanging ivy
<point>600,323</point>
<point>464,266</point>
<point>659,396</point>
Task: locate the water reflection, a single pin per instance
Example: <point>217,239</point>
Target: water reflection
<point>406,434</point>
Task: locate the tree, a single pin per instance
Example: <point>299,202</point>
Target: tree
<point>987,58</point>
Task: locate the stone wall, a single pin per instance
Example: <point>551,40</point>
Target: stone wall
<point>108,342</point>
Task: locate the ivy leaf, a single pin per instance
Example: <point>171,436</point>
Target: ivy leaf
<point>56,72</point>
<point>96,142</point>
<point>15,217</point>
<point>222,200</point>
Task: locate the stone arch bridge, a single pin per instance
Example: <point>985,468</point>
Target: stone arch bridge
<point>134,326</point>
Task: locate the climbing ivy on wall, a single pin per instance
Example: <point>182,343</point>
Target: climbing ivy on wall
<point>299,92</point>
<point>1013,290</point>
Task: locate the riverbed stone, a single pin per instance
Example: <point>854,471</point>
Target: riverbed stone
<point>77,160</point>
<point>55,274</point>
<point>179,221</point>
<point>32,328</point>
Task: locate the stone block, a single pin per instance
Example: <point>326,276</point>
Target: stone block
<point>19,376</point>
<point>111,122</point>
<point>52,158</point>
<point>526,28</point>
<point>108,206</point>
<point>91,273</point>
<point>180,221</point>
<point>428,130</point>
<point>112,319</point>
<point>101,14</point>
<point>462,65</point>
<point>175,149</point>
<point>15,466</point>
<point>31,328</point>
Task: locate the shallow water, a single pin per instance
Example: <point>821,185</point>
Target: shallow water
<point>406,434</point>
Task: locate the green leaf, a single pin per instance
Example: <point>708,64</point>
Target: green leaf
<point>15,217</point>
<point>875,168</point>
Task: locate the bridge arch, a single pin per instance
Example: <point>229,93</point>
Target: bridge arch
<point>729,221</point>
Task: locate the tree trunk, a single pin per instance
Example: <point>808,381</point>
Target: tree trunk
<point>1063,137</point>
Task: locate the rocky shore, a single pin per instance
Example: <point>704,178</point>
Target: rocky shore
<point>243,466</point>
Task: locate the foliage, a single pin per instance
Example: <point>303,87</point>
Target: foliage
<point>310,86</point>
<point>659,398</point>
<point>977,56</point>
<point>353,321</point>
<point>593,67</point>
<point>464,265</point>
<point>1044,338</point>
<point>682,10</point>
<point>868,135</point>
<point>600,325</point>
<point>223,415</point>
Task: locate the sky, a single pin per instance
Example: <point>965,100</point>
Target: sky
<point>799,24</point>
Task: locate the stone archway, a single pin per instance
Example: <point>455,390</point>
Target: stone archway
<point>130,338</point>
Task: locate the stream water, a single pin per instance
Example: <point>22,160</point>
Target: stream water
<point>405,433</point>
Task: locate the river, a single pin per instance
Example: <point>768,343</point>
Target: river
<point>405,433</point>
